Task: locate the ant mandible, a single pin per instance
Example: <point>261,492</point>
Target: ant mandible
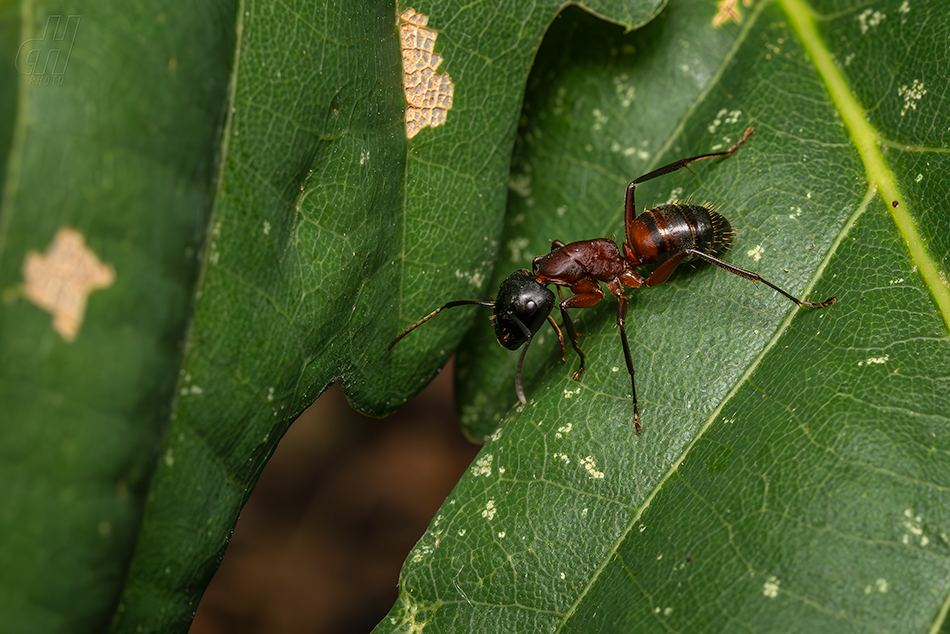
<point>667,236</point>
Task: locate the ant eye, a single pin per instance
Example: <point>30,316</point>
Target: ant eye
<point>531,306</point>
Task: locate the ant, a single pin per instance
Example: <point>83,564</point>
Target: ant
<point>667,236</point>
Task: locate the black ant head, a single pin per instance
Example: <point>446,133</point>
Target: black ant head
<point>522,306</point>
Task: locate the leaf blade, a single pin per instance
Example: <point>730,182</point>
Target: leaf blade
<point>762,391</point>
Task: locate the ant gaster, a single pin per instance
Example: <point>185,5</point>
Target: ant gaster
<point>665,236</point>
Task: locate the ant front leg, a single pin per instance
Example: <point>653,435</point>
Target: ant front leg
<point>587,293</point>
<point>560,337</point>
<point>630,205</point>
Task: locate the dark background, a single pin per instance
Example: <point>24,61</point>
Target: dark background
<point>319,544</point>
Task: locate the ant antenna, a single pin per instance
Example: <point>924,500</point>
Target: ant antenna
<point>459,302</point>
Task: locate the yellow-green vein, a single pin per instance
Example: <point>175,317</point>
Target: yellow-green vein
<point>866,139</point>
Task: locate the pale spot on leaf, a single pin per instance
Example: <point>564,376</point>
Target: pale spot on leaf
<point>911,95</point>
<point>428,94</point>
<point>591,467</point>
<point>60,280</point>
<point>727,11</point>
<point>490,510</point>
<point>756,253</point>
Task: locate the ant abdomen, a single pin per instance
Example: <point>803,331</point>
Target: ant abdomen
<point>669,229</point>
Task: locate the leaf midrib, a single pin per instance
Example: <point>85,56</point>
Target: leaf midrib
<point>867,141</point>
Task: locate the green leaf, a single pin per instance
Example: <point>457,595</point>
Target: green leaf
<point>240,182</point>
<point>792,474</point>
<point>113,119</point>
<point>245,172</point>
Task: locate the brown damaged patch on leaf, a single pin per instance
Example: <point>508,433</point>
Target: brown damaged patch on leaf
<point>728,11</point>
<point>428,94</point>
<point>60,280</point>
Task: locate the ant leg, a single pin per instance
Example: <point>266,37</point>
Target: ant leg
<point>755,277</point>
<point>617,290</point>
<point>572,335</point>
<point>629,205</point>
<point>560,337</point>
<point>680,164</point>
<point>633,383</point>
<point>584,299</point>
<point>663,272</point>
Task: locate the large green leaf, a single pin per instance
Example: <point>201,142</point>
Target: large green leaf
<point>792,469</point>
<point>270,140</point>
<point>112,121</point>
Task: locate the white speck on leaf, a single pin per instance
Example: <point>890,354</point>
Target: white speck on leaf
<point>624,89</point>
<point>517,247</point>
<point>913,524</point>
<point>476,279</point>
<point>591,467</point>
<point>489,512</point>
<point>724,116</point>
<point>911,95</point>
<point>520,184</point>
<point>482,466</point>
<point>869,18</point>
<point>874,360</point>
